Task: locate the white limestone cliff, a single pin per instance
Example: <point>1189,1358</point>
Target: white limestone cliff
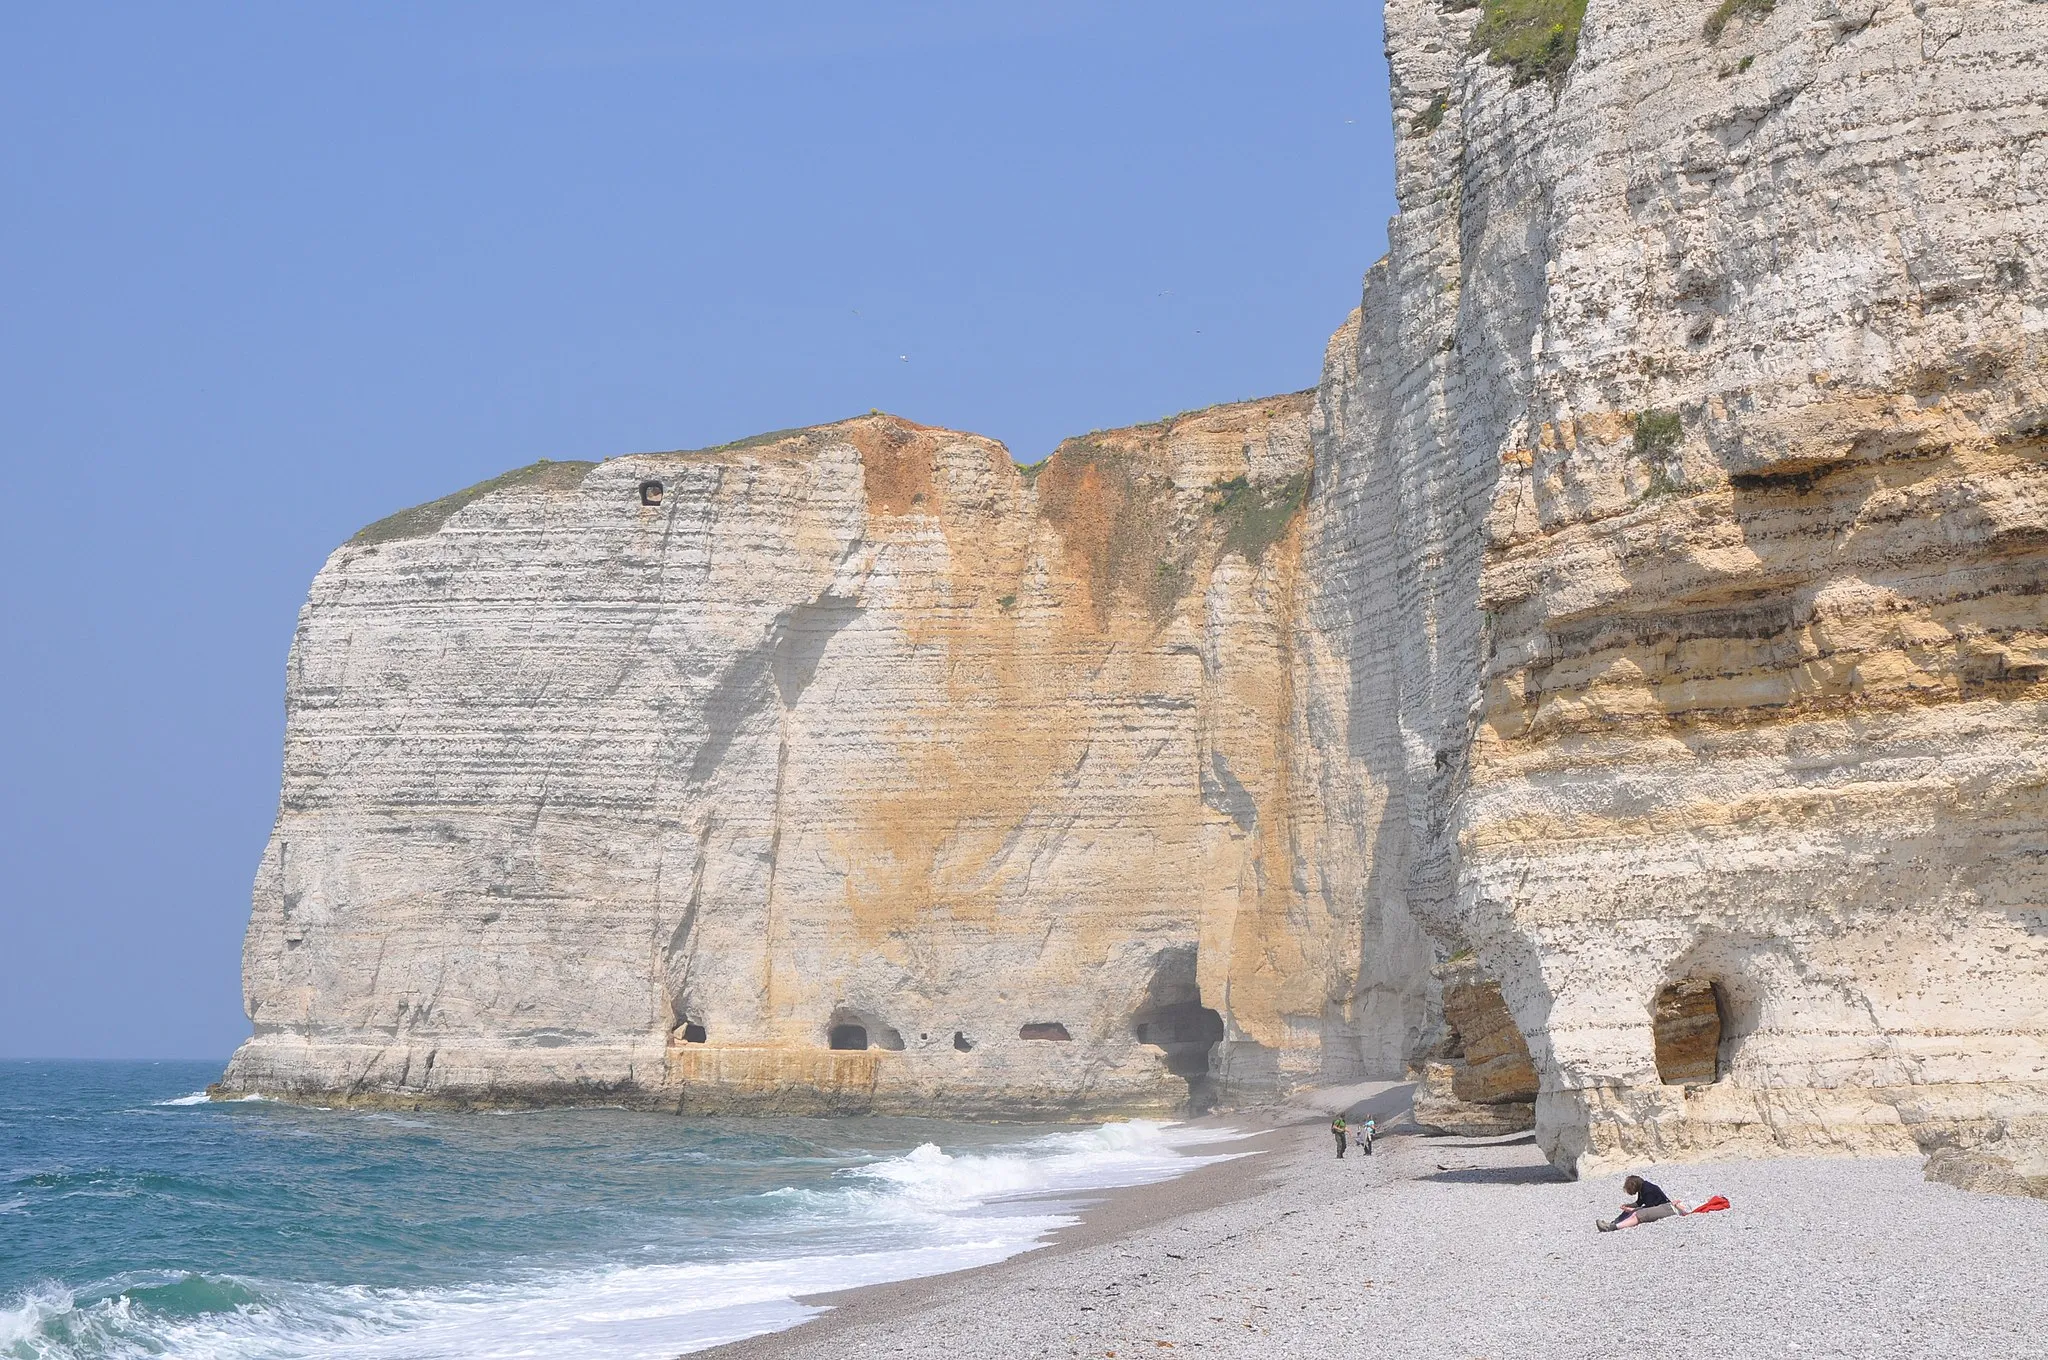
<point>856,728</point>
<point>1682,521</point>
<point>1661,621</point>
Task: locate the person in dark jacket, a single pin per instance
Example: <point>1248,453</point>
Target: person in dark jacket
<point>1650,1204</point>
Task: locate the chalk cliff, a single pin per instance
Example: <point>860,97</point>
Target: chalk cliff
<point>1648,601</point>
<point>1681,523</point>
<point>848,769</point>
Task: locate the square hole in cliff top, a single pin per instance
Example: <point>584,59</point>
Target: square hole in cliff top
<point>693,1033</point>
<point>650,493</point>
<point>851,1038</point>
<point>1045,1029</point>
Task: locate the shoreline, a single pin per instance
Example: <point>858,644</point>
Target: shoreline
<point>1473,1247</point>
<point>1256,1163</point>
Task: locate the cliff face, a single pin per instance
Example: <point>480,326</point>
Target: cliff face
<point>1649,600</point>
<point>859,770</point>
<point>1682,524</point>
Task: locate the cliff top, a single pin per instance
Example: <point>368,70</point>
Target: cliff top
<point>1209,446</point>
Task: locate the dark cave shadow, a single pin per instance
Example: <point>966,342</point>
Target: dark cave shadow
<point>1501,1175</point>
<point>1516,1140</point>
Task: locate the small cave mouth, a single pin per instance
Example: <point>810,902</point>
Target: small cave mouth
<point>962,1042</point>
<point>1174,1021</point>
<point>1045,1029</point>
<point>693,1032</point>
<point>1687,1021</point>
<point>650,493</point>
<point>855,1031</point>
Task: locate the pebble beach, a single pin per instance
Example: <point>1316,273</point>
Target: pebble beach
<point>1471,1248</point>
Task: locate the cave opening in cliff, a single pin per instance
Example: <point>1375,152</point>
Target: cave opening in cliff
<point>962,1042</point>
<point>693,1033</point>
<point>1045,1029</point>
<point>1173,1019</point>
<point>1687,1020</point>
<point>857,1030</point>
<point>650,493</point>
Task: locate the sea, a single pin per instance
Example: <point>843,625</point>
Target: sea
<point>139,1218</point>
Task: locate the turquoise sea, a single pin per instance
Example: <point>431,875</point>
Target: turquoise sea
<point>138,1218</point>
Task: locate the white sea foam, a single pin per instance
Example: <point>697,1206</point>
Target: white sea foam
<point>202,1098</point>
<point>21,1325</point>
<point>1134,1153</point>
<point>963,1210</point>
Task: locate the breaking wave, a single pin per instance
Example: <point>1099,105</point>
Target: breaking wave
<point>919,1212</point>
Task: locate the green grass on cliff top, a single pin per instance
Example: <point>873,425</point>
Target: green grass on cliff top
<point>1250,536</point>
<point>422,520</point>
<point>1534,39</point>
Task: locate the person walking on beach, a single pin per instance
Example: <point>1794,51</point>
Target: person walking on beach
<point>1337,1128</point>
<point>1651,1204</point>
<point>1362,1136</point>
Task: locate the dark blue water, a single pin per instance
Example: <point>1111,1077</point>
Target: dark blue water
<point>138,1219</point>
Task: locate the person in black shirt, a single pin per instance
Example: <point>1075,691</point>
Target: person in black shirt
<point>1651,1204</point>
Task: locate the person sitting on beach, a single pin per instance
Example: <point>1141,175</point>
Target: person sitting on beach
<point>1651,1204</point>
<point>1337,1127</point>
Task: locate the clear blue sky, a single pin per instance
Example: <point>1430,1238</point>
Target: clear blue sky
<point>271,272</point>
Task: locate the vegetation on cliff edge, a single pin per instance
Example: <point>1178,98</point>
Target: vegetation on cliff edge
<point>1255,516</point>
<point>1119,526</point>
<point>1728,11</point>
<point>421,520</point>
<point>1432,117</point>
<point>1656,438</point>
<point>1532,38</point>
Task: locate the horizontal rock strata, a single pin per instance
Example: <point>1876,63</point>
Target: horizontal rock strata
<point>1648,601</point>
<point>851,769</point>
<point>1682,522</point>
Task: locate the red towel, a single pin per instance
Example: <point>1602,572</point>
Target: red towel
<point>1717,1202</point>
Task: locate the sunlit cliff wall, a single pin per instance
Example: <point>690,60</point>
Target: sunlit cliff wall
<point>1681,530</point>
<point>1649,600</point>
<point>858,726</point>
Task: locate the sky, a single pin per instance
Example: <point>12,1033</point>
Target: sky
<point>270,272</point>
